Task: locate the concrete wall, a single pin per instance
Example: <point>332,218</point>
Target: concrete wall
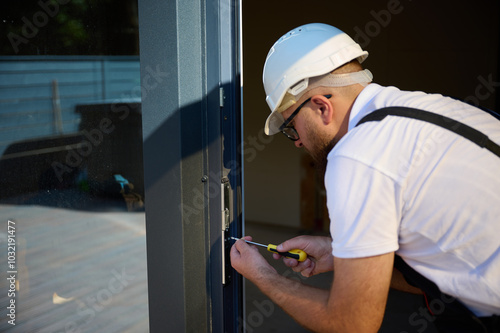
<point>449,47</point>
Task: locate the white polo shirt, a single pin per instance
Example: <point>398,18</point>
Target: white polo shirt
<point>433,197</point>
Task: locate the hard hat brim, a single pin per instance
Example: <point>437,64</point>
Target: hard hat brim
<point>273,123</point>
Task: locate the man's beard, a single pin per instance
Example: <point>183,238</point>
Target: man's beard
<point>321,147</point>
<point>320,157</point>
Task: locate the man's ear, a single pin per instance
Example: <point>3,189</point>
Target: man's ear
<point>325,107</point>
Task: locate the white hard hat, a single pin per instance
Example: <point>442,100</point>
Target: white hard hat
<point>307,51</point>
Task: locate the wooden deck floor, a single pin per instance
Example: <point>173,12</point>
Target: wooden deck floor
<point>77,271</point>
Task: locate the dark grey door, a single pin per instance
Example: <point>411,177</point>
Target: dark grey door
<point>191,104</point>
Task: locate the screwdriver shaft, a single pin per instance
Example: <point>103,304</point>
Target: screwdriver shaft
<point>294,254</point>
<point>254,243</point>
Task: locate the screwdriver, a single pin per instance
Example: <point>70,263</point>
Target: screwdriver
<point>294,254</point>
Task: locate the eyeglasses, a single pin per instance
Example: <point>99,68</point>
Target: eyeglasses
<point>290,131</point>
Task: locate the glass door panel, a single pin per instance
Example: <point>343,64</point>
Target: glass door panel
<point>72,221</point>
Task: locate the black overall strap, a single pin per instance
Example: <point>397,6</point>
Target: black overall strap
<point>450,124</point>
<point>451,316</point>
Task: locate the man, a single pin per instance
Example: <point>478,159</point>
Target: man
<point>398,189</point>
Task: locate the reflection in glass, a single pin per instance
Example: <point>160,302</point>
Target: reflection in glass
<point>71,177</point>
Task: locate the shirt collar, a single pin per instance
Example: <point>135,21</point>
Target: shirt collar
<point>359,108</point>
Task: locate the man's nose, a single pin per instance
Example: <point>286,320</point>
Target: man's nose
<point>298,143</point>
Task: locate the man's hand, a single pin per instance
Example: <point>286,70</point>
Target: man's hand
<point>319,254</point>
<point>356,301</point>
<point>247,261</point>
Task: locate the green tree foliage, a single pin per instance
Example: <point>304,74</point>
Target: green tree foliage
<point>69,27</point>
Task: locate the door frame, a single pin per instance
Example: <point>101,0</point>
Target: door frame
<point>190,55</point>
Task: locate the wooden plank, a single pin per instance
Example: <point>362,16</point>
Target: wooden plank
<point>96,261</point>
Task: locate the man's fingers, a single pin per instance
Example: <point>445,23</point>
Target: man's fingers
<point>234,252</point>
<point>300,267</point>
<point>299,242</point>
<point>290,262</point>
<point>309,268</point>
<point>240,246</point>
<point>239,243</point>
<point>243,246</point>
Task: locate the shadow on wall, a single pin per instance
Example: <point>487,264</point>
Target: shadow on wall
<point>97,168</point>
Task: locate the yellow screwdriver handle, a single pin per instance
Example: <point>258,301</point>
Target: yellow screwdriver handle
<point>294,254</point>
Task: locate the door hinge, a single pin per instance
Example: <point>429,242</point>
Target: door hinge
<point>226,221</point>
<point>221,97</point>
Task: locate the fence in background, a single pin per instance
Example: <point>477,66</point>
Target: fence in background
<point>38,95</point>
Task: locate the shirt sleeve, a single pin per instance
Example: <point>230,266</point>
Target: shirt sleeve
<point>364,205</point>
